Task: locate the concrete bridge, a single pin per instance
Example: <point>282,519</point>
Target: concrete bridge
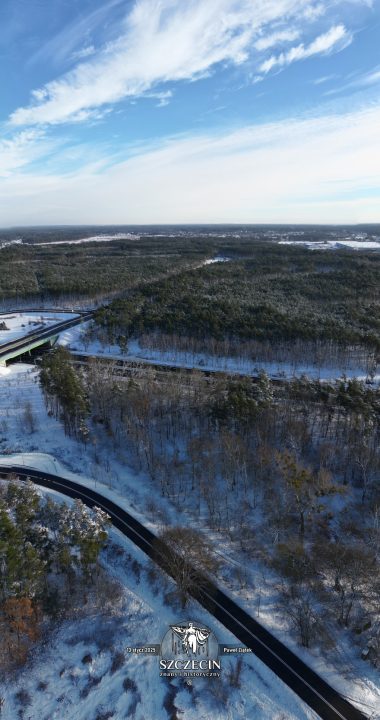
<point>39,338</point>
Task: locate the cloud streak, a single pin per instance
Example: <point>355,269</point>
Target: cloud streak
<point>165,41</point>
<point>310,170</point>
<point>71,43</point>
<point>365,80</point>
<point>282,36</point>
<point>337,38</point>
<point>21,149</point>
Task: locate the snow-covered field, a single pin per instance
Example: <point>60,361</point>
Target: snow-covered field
<point>94,238</point>
<point>359,244</point>
<point>40,442</point>
<point>217,259</point>
<point>73,338</point>
<point>6,243</point>
<point>20,324</point>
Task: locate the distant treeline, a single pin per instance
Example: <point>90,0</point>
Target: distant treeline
<point>88,269</point>
<point>94,269</point>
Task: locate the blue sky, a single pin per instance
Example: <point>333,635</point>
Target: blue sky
<point>148,111</point>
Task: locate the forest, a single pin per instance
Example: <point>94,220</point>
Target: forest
<point>49,562</point>
<point>278,303</point>
<point>285,474</point>
<point>89,270</point>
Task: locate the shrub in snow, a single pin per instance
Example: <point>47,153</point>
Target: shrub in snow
<point>23,697</point>
<point>42,686</point>
<point>92,682</point>
<point>372,651</point>
<point>129,685</point>
<point>117,662</point>
<point>104,714</point>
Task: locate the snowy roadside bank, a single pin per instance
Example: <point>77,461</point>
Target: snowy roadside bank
<point>74,341</point>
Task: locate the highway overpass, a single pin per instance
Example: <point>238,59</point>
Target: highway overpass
<point>44,336</point>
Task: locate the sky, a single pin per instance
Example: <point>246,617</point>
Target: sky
<point>187,111</point>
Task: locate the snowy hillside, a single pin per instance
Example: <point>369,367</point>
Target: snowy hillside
<point>29,436</point>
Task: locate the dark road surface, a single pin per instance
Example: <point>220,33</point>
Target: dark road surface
<point>320,696</point>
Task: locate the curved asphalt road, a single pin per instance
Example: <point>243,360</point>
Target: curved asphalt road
<point>320,696</point>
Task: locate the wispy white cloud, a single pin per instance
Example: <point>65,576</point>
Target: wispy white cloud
<point>162,97</point>
<point>335,39</point>
<point>21,149</point>
<point>370,78</point>
<point>84,52</point>
<point>164,41</point>
<point>305,170</point>
<point>314,11</point>
<point>324,79</point>
<point>74,38</point>
<point>364,80</point>
<point>276,38</point>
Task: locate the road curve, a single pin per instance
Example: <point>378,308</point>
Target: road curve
<point>311,688</point>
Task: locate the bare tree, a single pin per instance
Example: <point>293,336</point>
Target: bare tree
<point>187,556</point>
<point>28,418</point>
<point>352,568</point>
<point>297,603</point>
<point>368,462</point>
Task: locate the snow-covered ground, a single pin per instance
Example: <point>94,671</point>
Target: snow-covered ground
<point>41,443</point>
<point>20,324</point>
<point>94,238</point>
<point>217,259</point>
<point>334,244</point>
<point>6,243</point>
<point>58,685</point>
<point>73,338</point>
<point>140,617</point>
